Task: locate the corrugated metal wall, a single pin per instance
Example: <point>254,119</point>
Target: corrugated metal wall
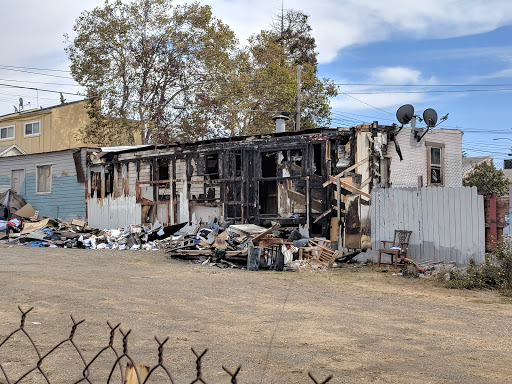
<point>111,213</point>
<point>447,224</point>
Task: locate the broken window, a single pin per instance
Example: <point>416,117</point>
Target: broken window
<point>109,181</point>
<point>296,162</point>
<point>44,179</point>
<point>435,164</point>
<point>163,169</point>
<point>268,164</point>
<point>268,197</point>
<point>317,159</point>
<point>212,165</point>
<point>95,184</point>
<point>238,164</point>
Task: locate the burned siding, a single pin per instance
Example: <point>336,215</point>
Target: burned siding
<point>285,177</point>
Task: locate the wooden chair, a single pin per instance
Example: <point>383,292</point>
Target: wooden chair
<point>399,246</point>
<point>319,253</point>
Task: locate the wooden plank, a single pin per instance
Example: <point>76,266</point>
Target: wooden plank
<point>424,216</point>
<point>358,164</point>
<point>477,255</point>
<point>205,252</point>
<point>444,220</point>
<point>373,219</point>
<point>299,198</point>
<point>481,226</point>
<point>352,188</point>
<point>366,182</point>
<point>464,226</point>
<point>452,227</point>
<point>474,225</point>
<point>415,202</point>
<point>323,215</point>
<point>459,226</point>
<point>437,207</point>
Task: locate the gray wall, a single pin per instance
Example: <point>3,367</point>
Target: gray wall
<point>447,224</point>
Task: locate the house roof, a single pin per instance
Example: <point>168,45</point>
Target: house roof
<point>470,162</point>
<point>37,110</point>
<point>134,148</point>
<point>6,148</point>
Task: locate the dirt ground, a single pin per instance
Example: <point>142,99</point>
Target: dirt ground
<point>359,324</point>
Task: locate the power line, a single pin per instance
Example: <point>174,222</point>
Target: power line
<point>422,85</point>
<point>352,97</point>
<point>434,91</point>
<point>35,73</point>
<point>38,89</point>
<point>38,69</point>
<point>41,82</point>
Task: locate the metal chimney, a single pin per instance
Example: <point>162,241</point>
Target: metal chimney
<point>280,122</point>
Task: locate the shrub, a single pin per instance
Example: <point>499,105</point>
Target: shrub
<point>494,273</point>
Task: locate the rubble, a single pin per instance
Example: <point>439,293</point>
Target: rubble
<point>215,243</point>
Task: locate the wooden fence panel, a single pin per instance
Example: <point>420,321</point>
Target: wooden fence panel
<point>447,224</point>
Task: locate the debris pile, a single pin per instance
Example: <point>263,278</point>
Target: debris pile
<point>215,243</point>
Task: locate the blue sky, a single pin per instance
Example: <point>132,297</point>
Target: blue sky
<point>389,46</point>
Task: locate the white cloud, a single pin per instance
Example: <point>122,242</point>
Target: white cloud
<point>338,24</point>
<point>38,27</point>
<point>373,97</point>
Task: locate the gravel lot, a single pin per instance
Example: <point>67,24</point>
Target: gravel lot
<point>359,324</point>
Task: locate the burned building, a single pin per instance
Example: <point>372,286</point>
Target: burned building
<point>288,177</point>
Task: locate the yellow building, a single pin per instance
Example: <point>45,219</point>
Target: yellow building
<point>44,130</point>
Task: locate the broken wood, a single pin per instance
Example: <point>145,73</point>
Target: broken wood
<point>358,164</point>
<point>299,198</point>
<point>323,215</point>
<point>351,188</point>
<point>366,182</point>
<point>130,373</point>
<point>262,234</point>
<point>205,252</point>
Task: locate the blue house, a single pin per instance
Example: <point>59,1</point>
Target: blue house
<point>54,183</point>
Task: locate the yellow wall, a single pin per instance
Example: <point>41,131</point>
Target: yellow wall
<point>58,127</point>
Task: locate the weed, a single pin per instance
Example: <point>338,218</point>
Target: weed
<point>494,273</point>
<point>409,270</point>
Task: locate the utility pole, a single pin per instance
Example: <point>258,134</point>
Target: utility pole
<point>297,106</point>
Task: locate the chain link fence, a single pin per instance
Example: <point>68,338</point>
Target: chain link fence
<point>131,374</point>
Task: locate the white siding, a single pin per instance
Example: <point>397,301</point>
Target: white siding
<point>404,174</point>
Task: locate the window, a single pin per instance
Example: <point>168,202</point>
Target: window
<point>32,128</point>
<point>435,164</point>
<point>212,166</point>
<point>7,133</point>
<point>44,179</point>
<point>18,180</point>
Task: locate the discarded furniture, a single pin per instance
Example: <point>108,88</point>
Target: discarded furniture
<point>319,253</point>
<point>398,248</point>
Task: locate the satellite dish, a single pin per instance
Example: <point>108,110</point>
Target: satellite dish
<point>405,113</point>
<point>430,117</point>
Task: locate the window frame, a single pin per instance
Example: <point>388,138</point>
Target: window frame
<point>24,177</point>
<point>13,132</point>
<point>37,179</point>
<point>31,134</point>
<point>441,147</point>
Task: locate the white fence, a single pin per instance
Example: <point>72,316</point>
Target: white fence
<point>447,224</point>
